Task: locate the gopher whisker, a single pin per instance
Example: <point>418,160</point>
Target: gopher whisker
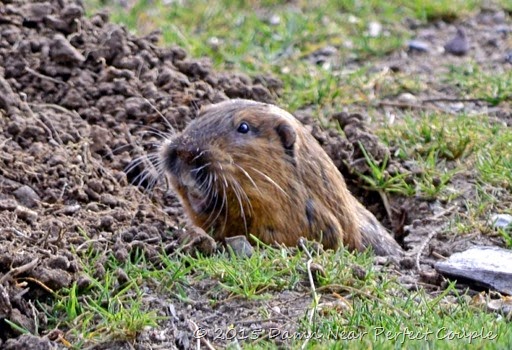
<point>269,179</point>
<point>224,190</point>
<point>236,189</point>
<point>242,192</point>
<point>167,123</point>
<point>156,132</point>
<point>195,170</point>
<point>213,192</point>
<point>199,155</point>
<point>249,177</point>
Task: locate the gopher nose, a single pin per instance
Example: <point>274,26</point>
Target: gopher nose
<point>187,154</point>
<point>179,154</point>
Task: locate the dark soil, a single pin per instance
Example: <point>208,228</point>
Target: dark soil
<point>80,100</point>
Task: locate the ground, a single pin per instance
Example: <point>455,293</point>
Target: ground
<point>90,249</point>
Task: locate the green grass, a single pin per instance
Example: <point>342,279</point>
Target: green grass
<point>439,147</point>
<point>111,305</point>
<point>473,83</point>
<point>352,303</point>
<point>494,161</point>
<point>265,271</point>
<point>350,308</point>
<point>428,324</point>
<point>468,143</point>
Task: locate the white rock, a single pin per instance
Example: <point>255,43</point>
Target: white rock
<point>407,97</point>
<point>500,220</point>
<point>374,29</point>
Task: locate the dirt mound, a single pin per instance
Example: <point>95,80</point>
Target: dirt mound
<point>80,99</point>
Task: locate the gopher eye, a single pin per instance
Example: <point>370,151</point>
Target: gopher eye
<point>243,128</point>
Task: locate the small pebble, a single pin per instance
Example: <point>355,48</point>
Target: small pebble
<point>418,45</point>
<point>503,305</point>
<point>158,336</point>
<point>501,220</point>
<point>26,214</point>
<point>458,45</point>
<point>274,20</point>
<point>353,19</point>
<point>240,245</point>
<point>70,209</point>
<point>276,309</point>
<point>27,196</point>
<point>407,98</point>
<point>508,57</point>
<point>171,311</point>
<point>8,204</point>
<point>374,29</point>
<point>214,42</point>
<point>457,106</point>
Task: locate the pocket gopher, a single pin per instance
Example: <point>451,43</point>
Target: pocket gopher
<point>245,167</point>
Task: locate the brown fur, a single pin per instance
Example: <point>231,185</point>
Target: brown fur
<point>274,182</point>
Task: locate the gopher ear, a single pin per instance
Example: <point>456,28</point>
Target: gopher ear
<point>287,135</point>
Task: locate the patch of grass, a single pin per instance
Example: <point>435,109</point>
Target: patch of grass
<point>435,139</point>
<point>380,180</point>
<point>434,178</point>
<point>435,148</point>
<point>443,10</point>
<point>474,83</point>
<point>448,137</point>
<point>494,159</point>
<point>112,306</point>
<point>357,306</point>
<point>267,270</point>
<point>438,147</point>
<point>355,303</point>
<point>477,209</point>
<point>430,323</point>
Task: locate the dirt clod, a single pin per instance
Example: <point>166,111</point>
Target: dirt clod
<point>27,341</point>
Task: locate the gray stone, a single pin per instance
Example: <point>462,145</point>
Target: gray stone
<point>240,246</point>
<point>490,267</point>
<point>27,196</point>
<point>418,45</point>
<point>459,44</point>
<point>501,220</point>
